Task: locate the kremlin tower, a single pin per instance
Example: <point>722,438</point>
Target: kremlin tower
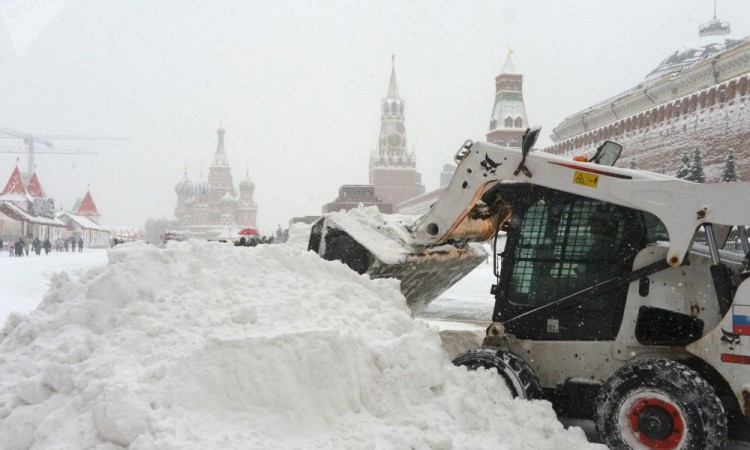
<point>393,170</point>
<point>508,122</point>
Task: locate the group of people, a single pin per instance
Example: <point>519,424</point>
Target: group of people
<point>252,241</point>
<point>22,245</point>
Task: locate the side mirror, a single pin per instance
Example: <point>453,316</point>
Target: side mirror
<point>527,142</point>
<point>607,154</point>
<point>529,139</point>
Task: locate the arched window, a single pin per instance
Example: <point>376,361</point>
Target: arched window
<point>743,86</point>
<point>519,122</point>
<point>508,122</point>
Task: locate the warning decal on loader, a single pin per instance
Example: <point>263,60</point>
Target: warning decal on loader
<point>586,179</point>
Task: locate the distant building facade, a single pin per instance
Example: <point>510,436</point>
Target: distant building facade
<point>214,207</point>
<point>353,195</point>
<point>697,98</point>
<point>26,211</point>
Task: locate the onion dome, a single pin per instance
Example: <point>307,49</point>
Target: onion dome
<point>247,184</point>
<point>201,187</point>
<point>185,186</point>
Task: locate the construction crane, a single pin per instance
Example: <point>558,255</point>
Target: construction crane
<point>49,148</point>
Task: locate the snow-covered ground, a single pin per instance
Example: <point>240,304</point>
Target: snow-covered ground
<point>206,345</point>
<point>27,279</point>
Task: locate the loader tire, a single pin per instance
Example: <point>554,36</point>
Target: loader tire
<point>518,375</point>
<point>659,404</point>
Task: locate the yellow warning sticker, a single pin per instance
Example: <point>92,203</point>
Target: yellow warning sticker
<point>586,179</point>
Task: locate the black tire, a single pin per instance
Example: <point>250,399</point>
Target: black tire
<point>659,404</point>
<point>518,375</point>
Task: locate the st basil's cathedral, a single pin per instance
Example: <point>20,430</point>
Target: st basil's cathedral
<point>213,207</point>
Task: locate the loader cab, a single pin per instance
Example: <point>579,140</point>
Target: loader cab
<point>561,245</point>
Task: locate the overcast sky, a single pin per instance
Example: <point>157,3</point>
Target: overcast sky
<point>298,85</point>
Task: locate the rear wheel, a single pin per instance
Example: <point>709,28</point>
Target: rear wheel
<point>518,375</point>
<point>659,404</point>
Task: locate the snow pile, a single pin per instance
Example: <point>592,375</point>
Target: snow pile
<point>385,235</point>
<point>206,345</point>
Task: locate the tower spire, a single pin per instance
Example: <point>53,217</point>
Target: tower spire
<point>220,158</point>
<point>392,84</point>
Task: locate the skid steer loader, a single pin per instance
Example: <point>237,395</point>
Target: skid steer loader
<point>616,297</point>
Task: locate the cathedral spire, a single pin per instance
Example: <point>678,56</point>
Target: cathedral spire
<point>220,158</point>
<point>393,85</point>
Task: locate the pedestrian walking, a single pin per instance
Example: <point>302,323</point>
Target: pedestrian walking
<point>47,246</point>
<point>80,244</point>
<point>11,248</point>
<point>26,245</point>
<point>36,244</point>
<point>19,247</point>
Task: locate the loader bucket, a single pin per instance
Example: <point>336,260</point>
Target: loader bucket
<point>378,245</point>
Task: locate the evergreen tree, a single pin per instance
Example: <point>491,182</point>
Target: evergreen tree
<point>684,169</point>
<point>696,169</point>
<point>729,173</point>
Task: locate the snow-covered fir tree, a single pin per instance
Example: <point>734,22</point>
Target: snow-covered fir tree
<point>696,172</point>
<point>729,172</point>
<point>684,169</point>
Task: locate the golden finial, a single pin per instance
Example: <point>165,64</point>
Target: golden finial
<point>510,52</point>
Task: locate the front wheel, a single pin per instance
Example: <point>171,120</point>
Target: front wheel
<point>518,375</point>
<point>659,404</point>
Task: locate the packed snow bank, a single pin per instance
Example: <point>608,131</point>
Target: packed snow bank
<point>206,345</point>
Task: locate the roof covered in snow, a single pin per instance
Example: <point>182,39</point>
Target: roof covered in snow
<point>14,189</point>
<point>34,187</point>
<point>17,213</point>
<point>88,207</point>
<point>83,222</point>
<point>509,67</point>
<point>685,57</point>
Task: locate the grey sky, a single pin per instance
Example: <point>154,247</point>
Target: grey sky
<point>298,85</point>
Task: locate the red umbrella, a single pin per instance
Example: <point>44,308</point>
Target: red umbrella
<point>248,231</point>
